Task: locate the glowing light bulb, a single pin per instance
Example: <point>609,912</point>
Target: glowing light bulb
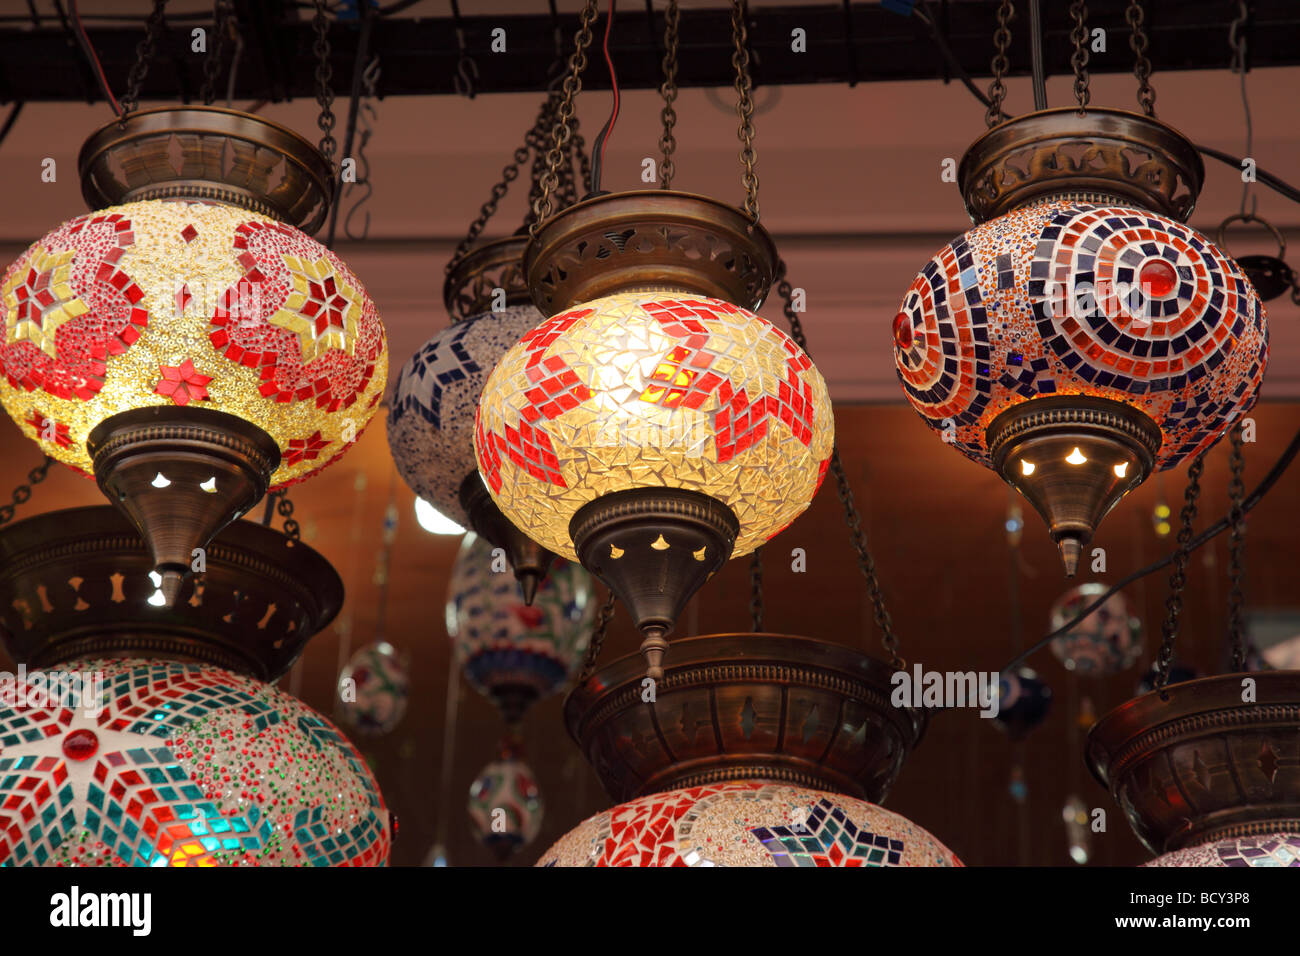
<point>434,521</point>
<point>210,486</point>
<point>156,578</point>
<point>159,481</point>
<point>157,599</point>
<point>1076,457</point>
<point>1121,470</point>
<point>1026,467</point>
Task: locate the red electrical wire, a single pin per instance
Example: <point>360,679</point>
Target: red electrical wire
<point>608,129</point>
<point>93,57</point>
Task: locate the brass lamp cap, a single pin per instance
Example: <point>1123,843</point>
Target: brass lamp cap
<point>472,284</point>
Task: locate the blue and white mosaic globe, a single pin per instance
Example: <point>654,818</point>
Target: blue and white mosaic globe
<point>431,418</point>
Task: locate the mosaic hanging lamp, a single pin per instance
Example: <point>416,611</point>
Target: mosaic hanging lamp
<point>505,805</point>
<point>182,754</point>
<point>380,685</point>
<point>758,750</point>
<point>188,343</point>
<point>1107,641</point>
<point>511,652</point>
<point>1080,336</point>
<point>653,426</point>
<point>431,418</point>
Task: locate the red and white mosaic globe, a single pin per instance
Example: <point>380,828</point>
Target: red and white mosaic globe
<point>654,390</point>
<point>1070,298</point>
<point>748,824</point>
<point>189,303</point>
<point>184,765</point>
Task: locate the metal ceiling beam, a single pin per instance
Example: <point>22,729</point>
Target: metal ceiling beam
<point>864,43</point>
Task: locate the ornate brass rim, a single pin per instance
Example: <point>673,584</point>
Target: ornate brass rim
<point>228,156</point>
<point>1233,794</point>
<point>1109,152</point>
<point>1074,412</point>
<point>778,677</point>
<point>470,288</point>
<point>649,239</point>
<point>276,595</point>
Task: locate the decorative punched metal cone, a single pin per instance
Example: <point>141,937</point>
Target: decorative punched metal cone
<point>77,584</point>
<point>208,154</point>
<point>529,560</point>
<point>1104,154</point>
<point>471,287</point>
<point>652,239</point>
<point>1197,764</point>
<point>1073,458</point>
<point>180,475</point>
<point>654,548</point>
<point>757,707</point>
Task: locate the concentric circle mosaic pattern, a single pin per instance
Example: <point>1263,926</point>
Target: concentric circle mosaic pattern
<point>502,643</point>
<point>653,390</point>
<point>183,303</point>
<point>186,765</point>
<point>1107,641</point>
<point>747,824</point>
<point>431,418</point>
<point>1066,298</point>
<point>1276,849</point>
<point>505,806</point>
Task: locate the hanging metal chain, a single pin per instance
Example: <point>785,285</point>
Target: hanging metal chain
<point>1178,580</point>
<point>562,131</point>
<point>1137,41</point>
<point>1079,58</point>
<point>285,507</point>
<point>744,105</point>
<point>1000,64</point>
<point>143,56</point>
<point>24,492</point>
<point>508,175</point>
<point>324,92</point>
<point>1236,548</point>
<point>603,617</point>
<point>756,590</point>
<point>221,11</point>
<point>668,142</point>
<point>852,518</point>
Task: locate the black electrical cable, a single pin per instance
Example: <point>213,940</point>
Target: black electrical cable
<point>9,120</point>
<point>354,101</point>
<point>93,58</point>
<point>1274,473</point>
<point>598,147</point>
<point>1036,54</point>
<point>1267,178</point>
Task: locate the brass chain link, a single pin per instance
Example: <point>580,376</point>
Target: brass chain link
<point>144,51</point>
<point>1178,580</point>
<point>562,132</point>
<point>221,11</point>
<point>23,493</point>
<point>603,617</point>
<point>1079,58</point>
<point>852,518</point>
<point>756,590</point>
<point>668,142</point>
<point>1236,548</point>
<point>744,105</point>
<point>285,507</point>
<point>324,92</point>
<point>1000,64</point>
<point>1137,41</point>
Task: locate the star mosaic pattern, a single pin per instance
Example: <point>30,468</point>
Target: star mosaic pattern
<point>748,824</point>
<point>431,416</point>
<point>502,643</point>
<point>1068,298</point>
<point>102,314</point>
<point>1276,849</point>
<point>186,765</point>
<point>651,390</point>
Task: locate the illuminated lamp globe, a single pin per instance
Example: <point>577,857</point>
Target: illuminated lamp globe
<point>505,805</point>
<point>380,684</point>
<point>1080,336</point>
<point>435,398</point>
<point>1106,641</point>
<point>170,763</point>
<point>187,343</point>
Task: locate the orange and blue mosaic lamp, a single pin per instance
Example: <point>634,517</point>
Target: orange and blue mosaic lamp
<point>1080,336</point>
<point>183,765</point>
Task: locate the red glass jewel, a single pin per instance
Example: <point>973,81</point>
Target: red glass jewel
<point>1158,278</point>
<point>903,330</point>
<point>80,745</point>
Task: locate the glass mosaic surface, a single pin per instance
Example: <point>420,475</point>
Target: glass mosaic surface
<point>1107,641</point>
<point>1277,849</point>
<point>647,390</point>
<point>1068,298</point>
<point>435,398</point>
<point>381,684</point>
<point>500,642</point>
<point>505,806</point>
<point>180,303</point>
<point>748,824</point>
<point>187,765</point>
